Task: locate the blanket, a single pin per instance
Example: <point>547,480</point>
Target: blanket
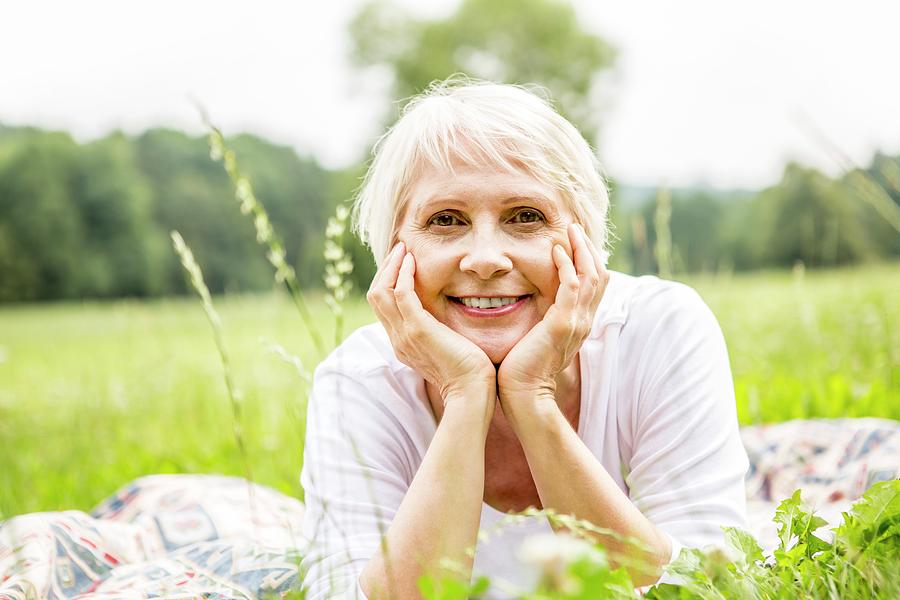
<point>214,537</point>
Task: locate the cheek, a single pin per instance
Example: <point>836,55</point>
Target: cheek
<point>539,268</point>
<point>433,272</point>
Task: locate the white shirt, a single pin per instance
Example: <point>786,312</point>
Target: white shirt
<point>657,410</point>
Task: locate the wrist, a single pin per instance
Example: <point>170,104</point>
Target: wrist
<point>525,409</point>
<point>473,404</point>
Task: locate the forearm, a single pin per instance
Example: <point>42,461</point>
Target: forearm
<point>441,512</point>
<point>571,481</point>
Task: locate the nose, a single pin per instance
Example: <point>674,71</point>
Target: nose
<point>485,255</point>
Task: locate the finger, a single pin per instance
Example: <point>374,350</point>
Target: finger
<point>567,293</point>
<point>381,295</point>
<point>588,266</point>
<point>389,268</point>
<point>584,260</point>
<point>601,268</point>
<point>387,312</point>
<point>598,259</point>
<point>408,302</point>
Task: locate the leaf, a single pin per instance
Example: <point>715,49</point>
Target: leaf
<point>879,503</point>
<point>871,517</point>
<point>796,519</point>
<point>596,580</point>
<point>689,566</point>
<point>449,588</point>
<point>745,543</point>
<point>669,591</point>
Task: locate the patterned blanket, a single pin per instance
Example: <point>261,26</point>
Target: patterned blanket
<point>206,536</point>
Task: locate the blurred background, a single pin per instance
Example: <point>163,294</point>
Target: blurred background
<point>752,151</point>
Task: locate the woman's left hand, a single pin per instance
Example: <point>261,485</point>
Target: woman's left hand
<point>530,369</point>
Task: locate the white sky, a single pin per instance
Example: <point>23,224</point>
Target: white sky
<point>705,91</point>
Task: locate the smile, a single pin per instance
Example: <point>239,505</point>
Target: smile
<point>489,306</point>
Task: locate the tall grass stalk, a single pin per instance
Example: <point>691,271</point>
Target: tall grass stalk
<point>265,234</point>
<point>860,181</point>
<point>234,395</point>
<point>338,265</point>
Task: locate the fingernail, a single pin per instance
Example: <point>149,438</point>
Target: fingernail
<point>398,247</point>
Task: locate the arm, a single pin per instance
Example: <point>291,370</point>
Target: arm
<point>571,481</point>
<point>686,472</point>
<point>685,460</point>
<point>440,514</point>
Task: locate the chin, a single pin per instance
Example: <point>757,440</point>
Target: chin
<point>497,347</point>
<point>497,354</point>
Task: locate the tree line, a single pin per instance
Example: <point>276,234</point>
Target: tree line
<point>806,217</point>
<point>92,220</point>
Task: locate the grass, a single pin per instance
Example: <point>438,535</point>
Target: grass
<point>95,394</point>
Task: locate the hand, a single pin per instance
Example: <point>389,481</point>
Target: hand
<point>532,365</point>
<point>443,357</point>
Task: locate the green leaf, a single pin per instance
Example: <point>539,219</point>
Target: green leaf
<point>795,519</point>
<point>881,502</point>
<point>745,543</point>
<point>450,588</point>
<point>596,580</point>
<point>871,518</point>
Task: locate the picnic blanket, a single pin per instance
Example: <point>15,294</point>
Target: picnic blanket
<point>207,536</point>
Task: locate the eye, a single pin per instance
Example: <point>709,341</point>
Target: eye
<point>445,220</point>
<point>527,215</point>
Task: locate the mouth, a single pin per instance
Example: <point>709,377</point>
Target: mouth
<point>484,306</point>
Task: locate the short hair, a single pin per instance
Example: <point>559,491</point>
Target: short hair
<point>468,121</point>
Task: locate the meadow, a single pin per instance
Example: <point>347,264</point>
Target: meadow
<point>94,394</point>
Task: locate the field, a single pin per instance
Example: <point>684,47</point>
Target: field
<point>95,394</point>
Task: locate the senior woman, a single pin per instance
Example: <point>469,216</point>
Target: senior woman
<point>509,369</point>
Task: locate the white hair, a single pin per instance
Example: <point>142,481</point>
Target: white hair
<point>470,122</point>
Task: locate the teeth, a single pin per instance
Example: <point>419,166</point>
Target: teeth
<point>488,302</point>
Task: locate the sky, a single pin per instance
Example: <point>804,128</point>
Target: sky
<point>704,91</point>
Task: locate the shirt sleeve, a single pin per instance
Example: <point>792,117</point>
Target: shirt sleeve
<point>355,474</point>
<point>687,466</point>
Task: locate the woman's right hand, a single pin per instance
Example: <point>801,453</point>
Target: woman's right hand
<point>446,359</point>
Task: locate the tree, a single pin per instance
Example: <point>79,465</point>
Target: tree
<point>123,248</point>
<point>809,217</point>
<point>510,41</point>
<point>41,225</point>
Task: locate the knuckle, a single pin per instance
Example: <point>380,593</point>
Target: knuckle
<point>560,327</point>
<point>404,334</point>
<point>583,329</point>
<point>377,297</point>
<point>415,334</point>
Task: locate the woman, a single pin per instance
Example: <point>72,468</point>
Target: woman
<point>509,369</point>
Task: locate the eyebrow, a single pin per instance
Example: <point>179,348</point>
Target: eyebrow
<point>451,201</point>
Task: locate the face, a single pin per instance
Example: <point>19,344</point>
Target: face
<point>482,239</point>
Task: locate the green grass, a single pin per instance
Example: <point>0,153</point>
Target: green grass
<point>95,394</point>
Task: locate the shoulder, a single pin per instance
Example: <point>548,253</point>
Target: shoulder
<point>363,376</point>
<point>667,335</point>
<point>642,305</point>
<point>364,354</point>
